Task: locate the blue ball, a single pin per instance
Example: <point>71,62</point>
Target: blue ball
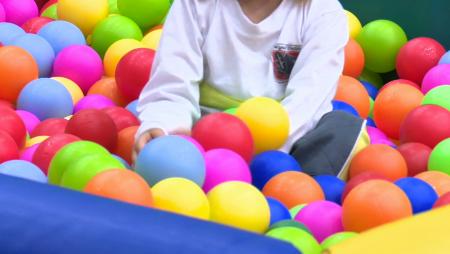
<point>62,34</point>
<point>40,49</point>
<point>45,98</point>
<point>371,122</point>
<point>171,156</point>
<point>332,187</point>
<point>421,195</point>
<point>23,169</point>
<point>132,107</point>
<point>8,32</point>
<point>268,164</point>
<point>371,89</point>
<point>343,106</point>
<point>278,211</point>
<point>124,163</point>
<point>445,59</point>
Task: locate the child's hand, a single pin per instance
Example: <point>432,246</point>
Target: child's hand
<point>144,139</point>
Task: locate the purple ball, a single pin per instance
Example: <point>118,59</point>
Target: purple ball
<point>437,76</point>
<point>28,153</point>
<point>29,119</point>
<point>93,101</point>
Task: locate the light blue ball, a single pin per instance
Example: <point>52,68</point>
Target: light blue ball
<point>8,32</point>
<point>45,98</point>
<point>445,59</point>
<point>132,107</point>
<point>23,169</point>
<point>62,34</point>
<point>170,156</point>
<point>40,49</point>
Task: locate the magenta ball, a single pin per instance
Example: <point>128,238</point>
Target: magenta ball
<point>375,133</point>
<point>323,218</point>
<point>28,153</point>
<point>196,143</point>
<point>2,13</point>
<point>223,165</point>
<point>437,76</point>
<point>19,11</point>
<point>29,119</point>
<point>79,63</point>
<point>93,101</point>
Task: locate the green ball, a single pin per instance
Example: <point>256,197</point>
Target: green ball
<point>51,12</point>
<point>68,155</point>
<point>381,41</point>
<point>231,111</point>
<point>439,96</point>
<point>296,209</point>
<point>337,238</point>
<point>440,157</point>
<point>113,7</point>
<point>79,173</point>
<point>372,77</point>
<point>112,29</point>
<point>372,103</point>
<point>289,223</point>
<point>146,13</point>
<point>303,241</point>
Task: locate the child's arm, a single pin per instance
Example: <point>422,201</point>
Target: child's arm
<point>315,75</point>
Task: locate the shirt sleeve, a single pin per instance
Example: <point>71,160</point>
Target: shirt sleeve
<point>315,75</point>
<point>170,100</point>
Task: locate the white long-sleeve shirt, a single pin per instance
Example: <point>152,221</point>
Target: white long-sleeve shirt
<point>213,41</point>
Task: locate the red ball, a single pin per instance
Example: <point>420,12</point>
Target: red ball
<point>94,125</point>
<point>399,81</point>
<point>8,147</point>
<point>35,24</point>
<point>416,156</point>
<point>417,57</point>
<point>121,117</point>
<point>221,130</point>
<point>428,124</point>
<point>47,149</point>
<point>361,178</point>
<point>50,127</point>
<point>444,200</point>
<point>7,104</point>
<point>11,123</point>
<point>133,72</point>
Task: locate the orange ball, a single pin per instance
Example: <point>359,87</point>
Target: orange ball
<point>108,88</point>
<point>438,180</point>
<point>293,188</point>
<point>125,143</point>
<point>17,69</point>
<point>392,106</point>
<point>351,91</point>
<point>123,185</point>
<point>380,159</point>
<point>374,203</point>
<point>354,59</point>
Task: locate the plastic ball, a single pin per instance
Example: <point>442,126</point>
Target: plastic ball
<point>343,106</point>
<point>268,164</point>
<point>122,118</point>
<point>296,209</point>
<point>372,77</point>
<point>231,111</point>
<point>45,98</point>
<point>62,34</point>
<point>223,165</point>
<point>437,76</point>
<point>354,24</point>
<point>354,59</point>
<point>133,72</point>
<point>416,156</point>
<point>444,200</point>
<point>146,13</point>
<point>125,143</point>
<point>93,101</point>
<point>302,241</point>
<point>381,41</point>
<point>152,38</point>
<point>337,238</point>
<point>112,6</point>
<point>122,161</point>
<point>47,5</point>
<point>417,57</point>
<point>375,134</point>
<point>122,185</point>
<point>427,124</point>
<point>289,223</point>
<point>438,180</point>
<point>181,196</point>
<point>421,195</point>
<point>14,75</point>
<point>28,153</point>
<point>332,187</point>
<point>196,143</point>
<point>171,156</point>
<point>18,12</point>
<point>51,11</point>
<point>72,88</point>
<point>35,24</point>
<point>240,205</point>
<point>440,157</point>
<point>29,119</point>
<point>374,203</point>
<point>351,91</point>
<point>23,169</point>
<point>2,13</point>
<point>8,32</point>
<point>50,127</point>
<point>94,125</point>
<point>445,59</point>
<point>132,107</point>
<point>361,178</point>
<point>36,140</point>
<point>116,52</point>
<point>399,81</point>
<point>85,14</point>
<point>108,87</point>
<point>268,122</point>
<point>12,124</point>
<point>293,188</point>
<point>220,130</point>
<point>392,106</point>
<point>278,211</point>
<point>112,29</point>
<point>439,96</point>
<point>8,147</point>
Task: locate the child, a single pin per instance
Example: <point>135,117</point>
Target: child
<point>215,53</point>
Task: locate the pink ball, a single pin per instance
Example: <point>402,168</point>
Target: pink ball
<point>2,13</point>
<point>79,63</point>
<point>437,76</point>
<point>30,120</point>
<point>93,101</point>
<point>28,153</point>
<point>19,11</point>
<point>196,143</point>
<point>323,218</point>
<point>223,165</point>
<point>375,133</point>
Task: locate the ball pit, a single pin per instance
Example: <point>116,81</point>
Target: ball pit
<point>62,34</point>
<point>416,156</point>
<point>34,25</point>
<point>438,96</point>
<point>153,37</point>
<point>18,12</point>
<point>444,200</point>
<point>278,212</point>
<point>125,143</point>
<point>353,92</point>
<point>29,119</point>
<point>343,106</point>
<point>440,157</point>
<point>336,239</point>
<point>146,13</point>
<point>332,187</point>
<point>116,52</point>
<point>438,180</point>
<point>8,32</point>
<point>437,76</point>
<point>304,242</point>
<point>13,125</point>
<point>27,153</point>
<point>108,88</point>
<point>72,88</point>
<point>49,127</point>
<point>93,101</point>
<point>9,150</point>
<point>354,59</point>
<point>421,195</point>
<point>23,169</point>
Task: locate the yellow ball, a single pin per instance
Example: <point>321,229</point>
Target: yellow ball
<point>268,122</point>
<point>152,39</point>
<point>85,14</point>
<point>74,89</point>
<point>354,24</point>
<point>240,205</point>
<point>116,51</point>
<point>181,196</point>
<point>36,140</point>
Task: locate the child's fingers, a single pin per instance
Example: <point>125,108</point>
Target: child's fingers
<point>140,143</point>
